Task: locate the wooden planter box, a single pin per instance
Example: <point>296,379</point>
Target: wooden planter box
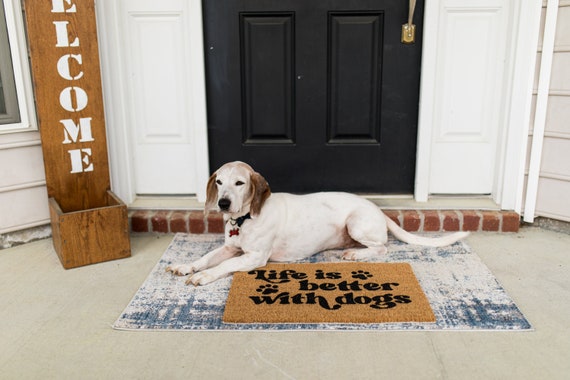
<point>90,236</point>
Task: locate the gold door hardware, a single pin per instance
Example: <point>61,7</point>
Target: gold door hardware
<point>409,29</point>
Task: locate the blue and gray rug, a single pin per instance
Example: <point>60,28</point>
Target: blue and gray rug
<point>463,293</point>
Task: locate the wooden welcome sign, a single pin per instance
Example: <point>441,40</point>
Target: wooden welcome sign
<point>89,223</point>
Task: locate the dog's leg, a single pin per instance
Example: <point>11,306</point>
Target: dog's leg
<point>367,227</point>
<point>210,259</point>
<point>245,262</point>
<point>355,254</point>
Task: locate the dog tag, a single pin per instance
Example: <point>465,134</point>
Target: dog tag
<point>234,232</point>
<point>408,33</point>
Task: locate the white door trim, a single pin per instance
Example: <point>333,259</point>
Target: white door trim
<point>198,94</point>
<point>427,96</point>
<point>511,177</point>
<point>115,95</point>
<point>509,182</point>
<point>541,109</point>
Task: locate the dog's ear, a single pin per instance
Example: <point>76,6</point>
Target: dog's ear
<point>259,191</point>
<point>211,194</point>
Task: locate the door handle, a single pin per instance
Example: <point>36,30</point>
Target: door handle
<point>409,29</point>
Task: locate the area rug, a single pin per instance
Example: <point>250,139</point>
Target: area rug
<point>327,293</point>
<point>461,290</point>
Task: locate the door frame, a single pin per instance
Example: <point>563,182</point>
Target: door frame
<point>512,141</point>
<point>509,176</point>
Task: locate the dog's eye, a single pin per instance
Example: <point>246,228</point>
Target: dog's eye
<point>218,182</point>
<point>239,183</point>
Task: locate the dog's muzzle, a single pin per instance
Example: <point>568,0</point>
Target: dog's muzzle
<point>224,204</point>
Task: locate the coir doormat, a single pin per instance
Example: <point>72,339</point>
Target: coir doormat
<point>461,290</point>
<point>327,293</point>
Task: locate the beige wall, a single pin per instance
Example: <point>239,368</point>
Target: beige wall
<point>553,198</point>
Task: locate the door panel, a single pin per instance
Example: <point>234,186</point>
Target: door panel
<point>267,78</point>
<point>469,98</point>
<point>354,95</point>
<point>157,62</point>
<point>315,95</point>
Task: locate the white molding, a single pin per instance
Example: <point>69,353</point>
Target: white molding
<point>541,108</point>
<point>427,96</point>
<point>120,157</point>
<point>510,183</point>
<point>198,95</point>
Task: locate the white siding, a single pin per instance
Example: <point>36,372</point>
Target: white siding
<point>553,197</point>
<point>23,194</point>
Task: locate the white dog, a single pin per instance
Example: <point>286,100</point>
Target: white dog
<point>261,226</point>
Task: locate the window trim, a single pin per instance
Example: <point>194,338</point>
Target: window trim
<point>20,65</point>
<point>10,111</point>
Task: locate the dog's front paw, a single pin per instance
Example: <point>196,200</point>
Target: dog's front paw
<point>180,269</point>
<point>201,278</point>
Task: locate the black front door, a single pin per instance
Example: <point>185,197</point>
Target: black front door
<point>316,95</point>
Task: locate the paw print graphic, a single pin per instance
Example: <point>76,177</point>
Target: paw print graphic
<point>268,289</point>
<point>362,275</point>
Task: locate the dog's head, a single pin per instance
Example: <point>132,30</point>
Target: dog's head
<point>236,187</point>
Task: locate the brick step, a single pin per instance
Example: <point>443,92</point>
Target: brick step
<point>163,221</point>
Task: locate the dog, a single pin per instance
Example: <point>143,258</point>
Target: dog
<point>262,226</point>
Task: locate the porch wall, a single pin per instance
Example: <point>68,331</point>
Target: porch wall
<point>23,195</point>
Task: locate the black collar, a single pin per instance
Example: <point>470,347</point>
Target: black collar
<point>239,221</point>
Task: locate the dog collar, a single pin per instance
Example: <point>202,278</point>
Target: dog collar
<point>237,224</point>
<point>239,221</point>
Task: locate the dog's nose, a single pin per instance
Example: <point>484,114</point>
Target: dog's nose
<point>224,204</point>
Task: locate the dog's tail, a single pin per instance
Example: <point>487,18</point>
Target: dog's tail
<point>409,238</point>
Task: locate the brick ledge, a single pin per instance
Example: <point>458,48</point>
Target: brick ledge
<point>151,221</point>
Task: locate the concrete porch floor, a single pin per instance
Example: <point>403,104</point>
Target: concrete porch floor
<point>56,324</point>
